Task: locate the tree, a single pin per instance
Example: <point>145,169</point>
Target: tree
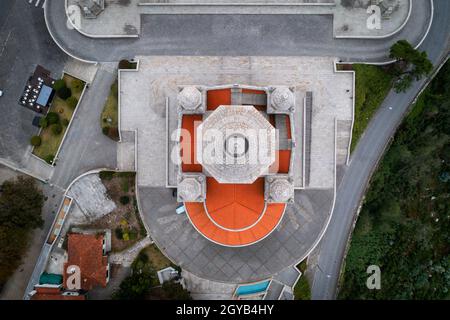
<point>59,84</point>
<point>35,141</point>
<point>72,102</point>
<point>52,118</point>
<point>411,64</point>
<point>57,129</point>
<point>43,122</point>
<point>138,285</point>
<point>64,93</point>
<point>175,291</point>
<point>21,203</point>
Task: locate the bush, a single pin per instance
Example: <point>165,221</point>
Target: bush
<point>125,64</point>
<point>65,122</point>
<point>302,290</point>
<point>43,122</point>
<point>52,118</point>
<point>57,129</point>
<point>72,102</point>
<point>49,158</point>
<point>119,233</point>
<point>77,85</point>
<point>105,130</point>
<point>124,200</point>
<point>64,93</point>
<point>59,84</point>
<point>36,141</point>
<point>106,175</point>
<point>113,133</point>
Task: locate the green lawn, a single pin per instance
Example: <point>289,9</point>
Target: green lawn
<point>372,86</point>
<point>109,116</point>
<point>302,290</point>
<point>50,142</point>
<point>157,259</point>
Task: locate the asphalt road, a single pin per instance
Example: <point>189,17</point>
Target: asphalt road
<point>364,160</point>
<point>24,43</point>
<point>225,35</point>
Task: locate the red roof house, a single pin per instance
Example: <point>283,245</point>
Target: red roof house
<point>87,251</point>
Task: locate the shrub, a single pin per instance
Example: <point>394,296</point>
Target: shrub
<point>49,158</point>
<point>125,64</point>
<point>59,84</point>
<point>35,141</point>
<point>119,233</point>
<point>52,118</point>
<point>72,102</point>
<point>57,129</point>
<point>65,122</point>
<point>64,93</point>
<point>43,122</point>
<point>124,200</point>
<point>106,175</point>
<point>105,130</point>
<point>113,133</point>
<point>77,85</point>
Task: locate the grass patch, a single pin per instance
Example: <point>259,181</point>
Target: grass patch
<point>302,290</point>
<point>372,86</point>
<point>110,114</point>
<point>157,259</point>
<point>50,141</point>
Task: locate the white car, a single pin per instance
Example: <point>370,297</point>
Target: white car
<point>1,93</point>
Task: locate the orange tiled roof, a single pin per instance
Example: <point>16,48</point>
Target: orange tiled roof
<point>86,252</point>
<point>236,214</point>
<point>189,159</point>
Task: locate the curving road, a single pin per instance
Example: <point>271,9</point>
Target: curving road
<point>284,36</point>
<point>365,158</point>
<point>271,35</point>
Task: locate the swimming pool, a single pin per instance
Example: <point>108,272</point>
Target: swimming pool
<point>252,288</point>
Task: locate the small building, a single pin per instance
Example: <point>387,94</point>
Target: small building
<point>88,253</point>
<point>91,8</point>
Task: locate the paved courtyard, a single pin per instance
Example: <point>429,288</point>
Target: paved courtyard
<point>149,107</point>
<point>297,233</point>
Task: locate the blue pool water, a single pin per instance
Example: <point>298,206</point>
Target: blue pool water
<point>252,288</point>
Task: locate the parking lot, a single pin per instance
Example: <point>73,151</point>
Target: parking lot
<point>21,23</point>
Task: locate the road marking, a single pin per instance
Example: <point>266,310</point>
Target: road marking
<point>4,44</point>
<point>37,3</point>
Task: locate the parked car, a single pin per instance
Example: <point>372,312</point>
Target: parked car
<point>1,93</point>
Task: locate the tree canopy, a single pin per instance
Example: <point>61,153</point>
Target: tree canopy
<point>411,64</point>
<point>20,211</point>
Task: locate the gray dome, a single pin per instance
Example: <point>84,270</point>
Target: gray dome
<point>189,98</point>
<point>282,99</point>
<point>189,189</point>
<point>280,190</point>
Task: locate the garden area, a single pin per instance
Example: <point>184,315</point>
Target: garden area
<point>55,123</point>
<point>125,221</point>
<point>110,114</point>
<point>143,282</point>
<point>404,224</point>
<point>302,290</point>
<point>372,86</point>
